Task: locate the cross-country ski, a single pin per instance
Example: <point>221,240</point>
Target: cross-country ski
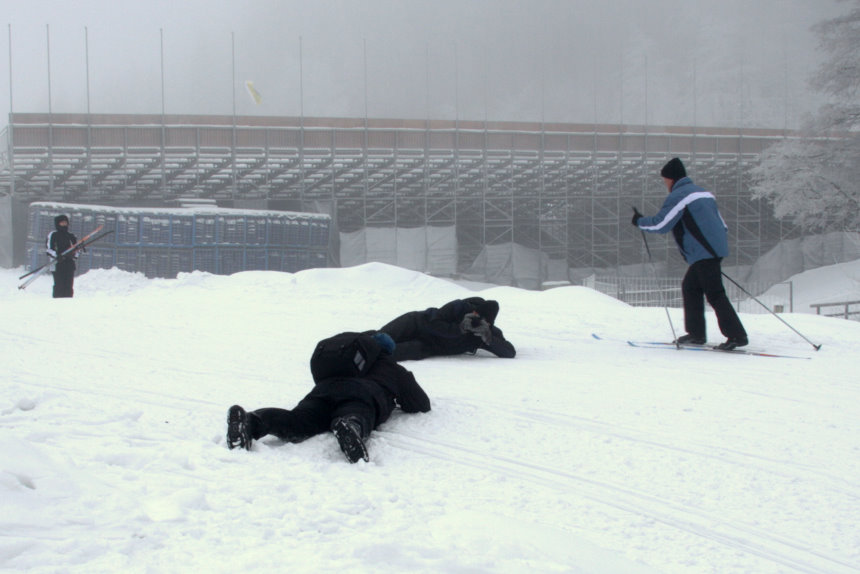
<point>88,239</point>
<point>72,249</point>
<point>682,347</point>
<point>687,347</point>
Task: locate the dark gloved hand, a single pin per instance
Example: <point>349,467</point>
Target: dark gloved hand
<point>470,322</point>
<point>477,325</point>
<point>636,217</point>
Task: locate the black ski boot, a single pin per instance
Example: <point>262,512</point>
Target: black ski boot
<point>690,340</point>
<point>733,343</point>
<point>238,429</point>
<point>347,431</point>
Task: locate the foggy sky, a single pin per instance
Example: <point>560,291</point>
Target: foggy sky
<point>731,63</point>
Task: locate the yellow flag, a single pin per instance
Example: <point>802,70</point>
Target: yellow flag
<point>255,95</point>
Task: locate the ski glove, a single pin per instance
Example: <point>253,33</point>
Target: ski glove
<point>470,322</point>
<point>636,217</point>
<point>477,325</point>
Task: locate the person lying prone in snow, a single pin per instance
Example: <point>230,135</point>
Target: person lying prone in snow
<point>349,405</point>
<point>458,327</point>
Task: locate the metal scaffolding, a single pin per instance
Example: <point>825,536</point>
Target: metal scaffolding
<point>564,190</point>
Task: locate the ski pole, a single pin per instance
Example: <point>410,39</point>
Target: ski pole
<point>39,268</point>
<point>665,306</point>
<point>814,346</point>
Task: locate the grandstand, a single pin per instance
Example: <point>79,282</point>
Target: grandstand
<point>482,195</point>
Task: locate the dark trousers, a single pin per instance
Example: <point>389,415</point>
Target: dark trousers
<point>312,416</point>
<point>404,328</point>
<point>406,332</point>
<point>64,279</point>
<point>414,350</point>
<point>704,280</point>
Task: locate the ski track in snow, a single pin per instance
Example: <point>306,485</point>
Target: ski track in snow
<point>783,468</point>
<point>577,456</point>
<point>791,553</point>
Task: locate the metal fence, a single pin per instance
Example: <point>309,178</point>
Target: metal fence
<point>666,292</point>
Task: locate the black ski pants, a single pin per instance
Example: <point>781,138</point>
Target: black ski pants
<point>409,338</point>
<point>703,280</point>
<point>64,279</point>
<point>312,416</point>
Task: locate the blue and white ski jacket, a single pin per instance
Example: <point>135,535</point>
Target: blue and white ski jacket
<point>691,214</point>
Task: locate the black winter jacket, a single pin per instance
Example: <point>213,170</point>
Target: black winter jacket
<point>387,383</point>
<point>439,328</point>
<point>58,241</point>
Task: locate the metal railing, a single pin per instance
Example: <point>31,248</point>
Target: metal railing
<point>666,291</point>
<point>846,312</point>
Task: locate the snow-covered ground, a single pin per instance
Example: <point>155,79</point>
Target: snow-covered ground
<point>577,456</point>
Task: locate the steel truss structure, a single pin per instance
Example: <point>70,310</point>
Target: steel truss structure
<point>563,189</point>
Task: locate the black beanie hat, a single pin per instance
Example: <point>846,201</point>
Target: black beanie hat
<point>60,218</point>
<point>673,169</point>
<point>488,310</point>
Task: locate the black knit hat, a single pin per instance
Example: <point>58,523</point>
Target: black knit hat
<point>673,169</point>
<point>60,218</point>
<point>488,310</point>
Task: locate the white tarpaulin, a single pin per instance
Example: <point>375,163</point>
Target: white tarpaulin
<point>510,264</point>
<point>6,231</point>
<point>430,250</point>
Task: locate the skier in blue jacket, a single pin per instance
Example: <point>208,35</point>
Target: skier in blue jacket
<point>690,213</point>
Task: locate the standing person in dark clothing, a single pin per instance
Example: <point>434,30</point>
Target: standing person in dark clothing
<point>460,326</point>
<point>691,214</point>
<point>58,241</point>
<point>350,407</point>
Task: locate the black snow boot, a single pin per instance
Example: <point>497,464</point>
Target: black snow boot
<point>238,429</point>
<point>347,431</point>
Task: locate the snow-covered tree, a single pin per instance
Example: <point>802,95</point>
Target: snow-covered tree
<point>815,179</point>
